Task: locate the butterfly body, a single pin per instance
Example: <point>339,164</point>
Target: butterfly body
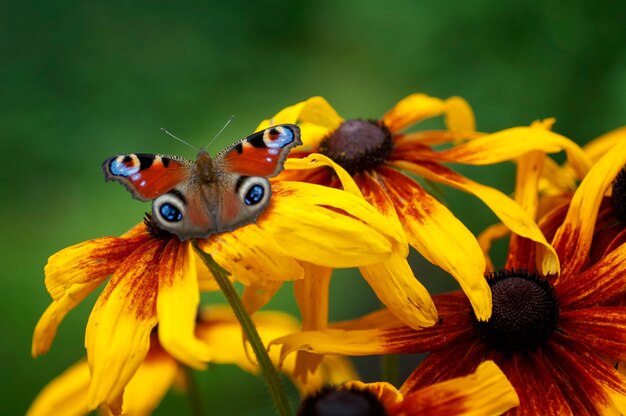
<point>210,195</point>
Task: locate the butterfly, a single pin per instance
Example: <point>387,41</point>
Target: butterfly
<point>210,195</point>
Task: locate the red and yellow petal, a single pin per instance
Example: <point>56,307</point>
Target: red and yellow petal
<point>177,306</point>
<point>328,226</point>
<point>600,328</point>
<point>509,212</point>
<point>316,161</point>
<point>602,282</point>
<point>118,332</point>
<point>484,392</point>
<point>89,261</point>
<point>573,238</point>
<point>418,107</point>
<point>385,392</point>
<point>65,395</point>
<point>440,237</point>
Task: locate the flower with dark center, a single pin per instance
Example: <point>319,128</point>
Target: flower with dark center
<point>553,337</point>
<point>156,278</point>
<point>485,392</point>
<point>618,196</point>
<point>381,158</point>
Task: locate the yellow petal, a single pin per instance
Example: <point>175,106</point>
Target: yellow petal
<point>65,395</point>
<point>414,108</point>
<point>397,288</point>
<point>596,148</point>
<point>312,296</point>
<point>512,143</point>
<point>459,116</point>
<point>87,262</point>
<point>509,212</point>
<point>319,112</point>
<point>252,256</point>
<point>327,226</point>
<point>440,237</point>
<point>118,331</point>
<point>258,294</point>
<point>485,392</point>
<point>288,115</point>
<point>573,238</point>
<point>177,306</point>
<point>46,328</point>
<point>318,160</point>
<point>150,383</point>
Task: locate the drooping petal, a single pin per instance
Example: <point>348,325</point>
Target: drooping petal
<point>605,387</point>
<point>602,282</point>
<point>397,288</point>
<point>600,328</point>
<point>88,261</point>
<point>251,256</point>
<point>599,146</point>
<point>151,382</point>
<point>573,238</point>
<point>509,212</point>
<point>65,395</point>
<point>258,294</point>
<point>418,107</point>
<point>328,226</point>
<point>440,237</point>
<point>47,326</point>
<point>177,306</point>
<point>484,392</point>
<point>396,340</point>
<point>318,160</point>
<point>512,143</point>
<point>312,296</point>
<point>118,331</point>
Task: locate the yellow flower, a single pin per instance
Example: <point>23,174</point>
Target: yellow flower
<point>218,330</point>
<point>155,278</point>
<point>377,154</point>
<point>485,392</point>
<point>550,335</point>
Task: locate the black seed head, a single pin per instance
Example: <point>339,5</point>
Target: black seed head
<point>331,401</point>
<point>618,196</point>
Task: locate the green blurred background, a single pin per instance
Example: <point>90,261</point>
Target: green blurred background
<point>85,80</point>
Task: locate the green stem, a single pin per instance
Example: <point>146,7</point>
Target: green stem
<point>390,369</point>
<point>267,368</point>
<point>197,409</point>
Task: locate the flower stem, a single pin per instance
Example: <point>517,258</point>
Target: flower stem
<point>267,368</point>
<point>197,409</point>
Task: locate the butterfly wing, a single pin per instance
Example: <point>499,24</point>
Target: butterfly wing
<point>262,153</point>
<point>147,176</point>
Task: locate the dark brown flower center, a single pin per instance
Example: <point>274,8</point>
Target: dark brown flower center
<point>358,145</point>
<point>525,311</point>
<point>618,195</point>
<point>331,401</point>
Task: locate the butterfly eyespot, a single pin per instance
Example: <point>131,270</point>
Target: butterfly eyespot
<point>254,195</point>
<point>170,213</point>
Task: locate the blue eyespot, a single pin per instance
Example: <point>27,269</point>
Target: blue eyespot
<point>254,195</point>
<point>170,213</point>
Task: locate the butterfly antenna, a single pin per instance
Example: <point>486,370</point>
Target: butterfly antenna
<point>179,139</point>
<point>220,132</point>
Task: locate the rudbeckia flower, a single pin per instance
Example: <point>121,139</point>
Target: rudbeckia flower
<point>379,155</point>
<point>219,331</point>
<point>156,278</point>
<point>485,392</point>
<point>548,334</point>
